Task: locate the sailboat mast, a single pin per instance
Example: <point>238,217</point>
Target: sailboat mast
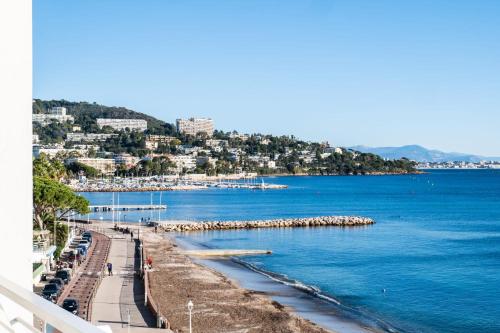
<point>159,208</point>
<point>151,207</point>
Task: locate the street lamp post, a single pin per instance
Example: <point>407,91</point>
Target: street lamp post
<point>190,308</point>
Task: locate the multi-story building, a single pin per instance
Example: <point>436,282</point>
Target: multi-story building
<point>242,137</point>
<point>193,126</point>
<point>53,151</point>
<point>201,160</point>
<point>127,160</point>
<point>121,124</point>
<point>183,162</point>
<point>332,150</point>
<point>58,110</point>
<point>35,138</point>
<point>271,164</point>
<point>152,141</point>
<point>55,114</point>
<point>104,165</point>
<point>213,143</point>
<point>81,137</point>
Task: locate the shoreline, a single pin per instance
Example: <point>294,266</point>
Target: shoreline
<point>259,296</point>
<point>301,300</point>
<point>220,304</point>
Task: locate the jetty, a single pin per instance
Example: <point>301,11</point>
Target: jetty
<point>225,253</point>
<point>320,221</point>
<point>108,208</point>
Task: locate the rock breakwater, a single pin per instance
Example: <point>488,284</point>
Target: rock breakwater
<point>338,221</point>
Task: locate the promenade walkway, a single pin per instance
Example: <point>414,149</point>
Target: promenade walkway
<point>123,292</point>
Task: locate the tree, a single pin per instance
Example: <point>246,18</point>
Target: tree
<point>77,167</point>
<point>47,168</point>
<point>53,199</point>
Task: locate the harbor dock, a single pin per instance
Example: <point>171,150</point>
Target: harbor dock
<point>108,208</point>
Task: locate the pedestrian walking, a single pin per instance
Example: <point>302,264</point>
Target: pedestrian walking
<point>110,269</point>
<point>131,236</point>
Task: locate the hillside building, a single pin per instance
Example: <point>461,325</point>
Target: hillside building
<point>127,160</point>
<point>89,137</point>
<point>183,162</point>
<point>55,114</point>
<point>152,141</point>
<point>121,124</point>
<point>193,126</point>
<point>104,165</point>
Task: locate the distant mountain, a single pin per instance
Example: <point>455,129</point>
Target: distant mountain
<point>421,154</point>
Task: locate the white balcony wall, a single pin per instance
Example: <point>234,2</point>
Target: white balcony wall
<point>15,149</point>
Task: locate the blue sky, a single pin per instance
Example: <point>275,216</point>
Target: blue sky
<point>378,73</point>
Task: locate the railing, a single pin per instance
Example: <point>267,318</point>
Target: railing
<point>161,321</point>
<point>46,311</point>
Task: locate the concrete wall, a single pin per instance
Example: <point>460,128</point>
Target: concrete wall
<point>15,147</point>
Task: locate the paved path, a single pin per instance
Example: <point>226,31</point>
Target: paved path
<point>122,292</point>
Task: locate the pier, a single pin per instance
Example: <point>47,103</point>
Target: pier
<point>225,253</point>
<point>109,208</point>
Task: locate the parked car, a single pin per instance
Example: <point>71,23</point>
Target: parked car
<point>57,281</point>
<point>71,305</point>
<point>82,250</point>
<point>64,275</point>
<point>86,235</point>
<point>51,292</point>
<point>75,242</point>
<point>85,243</point>
<point>87,238</point>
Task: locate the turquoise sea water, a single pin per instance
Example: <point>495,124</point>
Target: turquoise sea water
<point>431,263</point>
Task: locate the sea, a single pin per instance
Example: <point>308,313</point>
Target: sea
<point>430,263</point>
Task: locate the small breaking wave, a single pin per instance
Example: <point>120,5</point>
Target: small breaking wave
<point>314,291</point>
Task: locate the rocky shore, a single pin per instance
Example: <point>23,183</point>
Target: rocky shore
<point>338,221</point>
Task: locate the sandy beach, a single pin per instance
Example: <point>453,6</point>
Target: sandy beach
<point>220,304</point>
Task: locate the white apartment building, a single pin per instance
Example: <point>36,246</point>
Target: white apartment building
<point>271,164</point>
<point>152,141</point>
<point>183,162</point>
<point>35,138</point>
<point>58,110</point>
<point>126,159</point>
<point>52,151</point>
<point>121,124</point>
<point>193,126</point>
<point>332,150</point>
<point>160,138</point>
<point>81,137</point>
<point>55,114</point>
<point>242,137</point>
<point>213,143</point>
<point>104,165</point>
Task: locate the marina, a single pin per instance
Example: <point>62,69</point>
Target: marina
<point>170,183</point>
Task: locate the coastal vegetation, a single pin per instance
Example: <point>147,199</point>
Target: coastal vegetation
<point>52,200</point>
<point>257,153</point>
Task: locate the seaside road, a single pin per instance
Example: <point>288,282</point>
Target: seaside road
<point>122,292</point>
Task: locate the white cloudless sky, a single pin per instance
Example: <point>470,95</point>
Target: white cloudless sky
<point>378,73</point>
